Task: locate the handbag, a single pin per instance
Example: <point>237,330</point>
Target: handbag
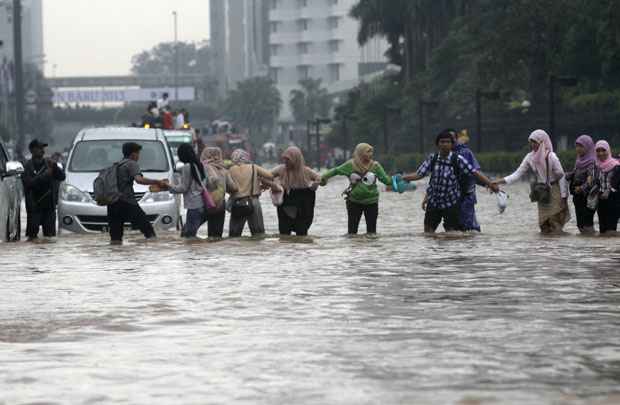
<point>207,199</point>
<point>244,207</point>
<point>593,198</point>
<point>541,192</point>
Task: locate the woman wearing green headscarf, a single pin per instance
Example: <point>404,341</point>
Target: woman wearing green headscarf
<point>362,195</point>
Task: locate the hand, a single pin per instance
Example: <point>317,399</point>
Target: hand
<point>578,190</point>
<point>424,203</point>
<point>323,182</point>
<point>494,187</point>
<point>163,184</point>
<point>315,185</point>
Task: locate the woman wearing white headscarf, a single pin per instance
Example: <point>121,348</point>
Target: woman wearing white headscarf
<point>553,211</point>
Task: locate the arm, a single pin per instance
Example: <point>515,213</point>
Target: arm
<point>58,174</point>
<point>423,171</point>
<point>231,185</point>
<point>186,182</point>
<point>263,174</point>
<point>469,169</point>
<point>140,179</point>
<point>342,170</point>
<point>558,173</point>
<point>382,176</point>
<point>521,171</point>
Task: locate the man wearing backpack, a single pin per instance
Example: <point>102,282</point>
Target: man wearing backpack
<point>126,208</point>
<point>444,189</point>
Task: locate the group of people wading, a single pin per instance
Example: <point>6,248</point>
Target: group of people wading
<point>450,195</point>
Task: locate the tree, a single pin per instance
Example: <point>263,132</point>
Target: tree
<point>255,104</point>
<point>194,58</point>
<point>310,101</point>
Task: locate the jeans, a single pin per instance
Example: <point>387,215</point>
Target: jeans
<point>216,224</point>
<point>355,212</point>
<point>467,215</point>
<point>434,216</point>
<point>121,212</point>
<point>193,221</point>
<point>45,219</point>
<point>255,222</point>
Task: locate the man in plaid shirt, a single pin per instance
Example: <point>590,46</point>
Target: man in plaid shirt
<point>444,189</point>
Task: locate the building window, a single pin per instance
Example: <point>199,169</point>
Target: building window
<point>334,72</point>
<point>303,72</point>
<point>333,22</point>
<point>302,3</point>
<point>334,45</point>
<point>303,24</point>
<point>275,50</point>
<point>303,48</point>
<point>274,73</point>
<point>274,27</point>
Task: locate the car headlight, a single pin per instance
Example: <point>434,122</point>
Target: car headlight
<point>73,194</point>
<point>163,196</point>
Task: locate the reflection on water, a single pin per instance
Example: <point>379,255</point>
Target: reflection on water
<point>508,316</point>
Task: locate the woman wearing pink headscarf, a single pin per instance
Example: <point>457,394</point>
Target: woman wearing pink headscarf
<point>545,164</point>
<point>299,182</point>
<point>580,182</point>
<point>608,182</point>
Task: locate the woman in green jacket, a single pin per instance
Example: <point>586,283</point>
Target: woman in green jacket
<point>363,194</point>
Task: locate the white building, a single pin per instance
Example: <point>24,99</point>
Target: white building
<point>317,39</point>
<point>240,38</point>
<point>32,32</point>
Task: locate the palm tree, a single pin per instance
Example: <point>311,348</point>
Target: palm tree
<point>311,100</point>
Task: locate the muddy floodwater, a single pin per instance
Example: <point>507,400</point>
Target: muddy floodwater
<point>505,317</point>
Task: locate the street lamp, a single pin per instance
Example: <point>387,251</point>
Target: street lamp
<point>317,122</point>
<point>489,95</point>
<point>175,16</point>
<point>566,81</point>
<point>422,104</point>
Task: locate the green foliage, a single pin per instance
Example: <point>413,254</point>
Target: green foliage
<point>194,58</point>
<point>254,104</point>
<point>311,100</point>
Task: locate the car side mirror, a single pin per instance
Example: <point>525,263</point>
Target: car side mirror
<point>14,168</point>
<point>179,166</point>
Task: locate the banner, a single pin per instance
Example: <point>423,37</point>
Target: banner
<point>64,96</point>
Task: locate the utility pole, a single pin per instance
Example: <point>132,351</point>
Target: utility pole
<point>176,56</point>
<point>19,77</point>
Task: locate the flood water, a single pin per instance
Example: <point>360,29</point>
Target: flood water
<point>505,317</point>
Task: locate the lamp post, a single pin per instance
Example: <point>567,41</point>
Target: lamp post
<point>19,77</point>
<point>317,123</point>
<point>480,94</point>
<point>566,81</point>
<point>175,16</point>
<point>421,105</point>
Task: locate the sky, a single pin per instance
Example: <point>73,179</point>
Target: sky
<point>99,37</point>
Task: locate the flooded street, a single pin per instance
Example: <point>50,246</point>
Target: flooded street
<point>505,317</point>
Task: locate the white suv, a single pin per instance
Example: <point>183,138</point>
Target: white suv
<point>95,149</point>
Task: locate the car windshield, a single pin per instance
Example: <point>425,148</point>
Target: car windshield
<point>94,156</point>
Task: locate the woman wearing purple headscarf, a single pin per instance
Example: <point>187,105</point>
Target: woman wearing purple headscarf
<point>580,182</point>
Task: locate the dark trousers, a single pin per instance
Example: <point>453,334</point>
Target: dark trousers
<point>215,223</point>
<point>609,213</point>
<point>585,216</point>
<point>297,212</point>
<point>45,219</point>
<point>449,216</point>
<point>355,212</point>
<point>121,212</point>
<point>193,221</point>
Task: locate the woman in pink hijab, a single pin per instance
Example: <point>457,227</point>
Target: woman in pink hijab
<point>545,164</point>
<point>608,181</point>
<point>580,182</point>
<point>299,182</point>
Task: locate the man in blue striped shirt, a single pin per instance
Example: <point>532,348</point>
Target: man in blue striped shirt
<point>444,188</point>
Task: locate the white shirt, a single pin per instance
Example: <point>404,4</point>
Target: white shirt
<point>179,121</point>
<point>161,103</point>
<point>556,172</point>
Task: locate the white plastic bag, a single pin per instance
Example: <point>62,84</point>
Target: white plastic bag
<point>502,201</point>
<point>277,197</point>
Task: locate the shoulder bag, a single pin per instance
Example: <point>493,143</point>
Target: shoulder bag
<point>244,207</point>
<point>541,192</point>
